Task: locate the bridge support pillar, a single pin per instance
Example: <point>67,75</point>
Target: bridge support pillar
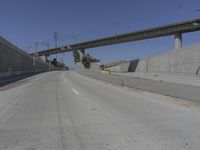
<point>178,40</point>
<point>43,58</point>
<point>82,53</point>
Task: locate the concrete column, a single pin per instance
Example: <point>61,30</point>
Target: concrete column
<point>43,58</point>
<point>82,53</point>
<point>178,40</point>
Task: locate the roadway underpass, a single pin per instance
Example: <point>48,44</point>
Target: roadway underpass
<point>63,110</point>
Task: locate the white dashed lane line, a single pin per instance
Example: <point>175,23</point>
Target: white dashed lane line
<point>75,91</point>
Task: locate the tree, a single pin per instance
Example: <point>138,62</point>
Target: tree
<point>76,56</point>
<point>87,59</point>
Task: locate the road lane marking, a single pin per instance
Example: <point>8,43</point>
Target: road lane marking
<point>75,91</point>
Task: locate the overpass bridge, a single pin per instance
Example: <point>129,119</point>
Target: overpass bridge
<point>176,29</point>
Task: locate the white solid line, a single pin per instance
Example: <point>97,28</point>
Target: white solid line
<point>75,91</point>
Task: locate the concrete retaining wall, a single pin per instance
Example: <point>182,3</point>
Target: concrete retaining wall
<point>15,61</point>
<point>94,67</point>
<point>120,68</point>
<point>185,60</point>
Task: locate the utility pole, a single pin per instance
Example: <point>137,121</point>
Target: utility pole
<point>49,56</point>
<point>56,36</point>
<point>50,63</point>
<point>36,46</point>
<point>34,55</point>
<point>62,48</point>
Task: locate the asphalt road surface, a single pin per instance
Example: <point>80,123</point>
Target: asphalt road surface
<point>65,111</point>
<point>7,80</point>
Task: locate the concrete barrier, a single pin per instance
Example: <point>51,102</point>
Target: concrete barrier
<point>183,91</point>
<point>14,61</point>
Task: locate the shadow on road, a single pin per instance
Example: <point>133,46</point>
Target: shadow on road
<point>11,79</point>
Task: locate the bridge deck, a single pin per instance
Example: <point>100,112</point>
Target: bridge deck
<point>171,29</point>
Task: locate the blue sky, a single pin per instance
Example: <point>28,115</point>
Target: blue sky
<point>25,21</point>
